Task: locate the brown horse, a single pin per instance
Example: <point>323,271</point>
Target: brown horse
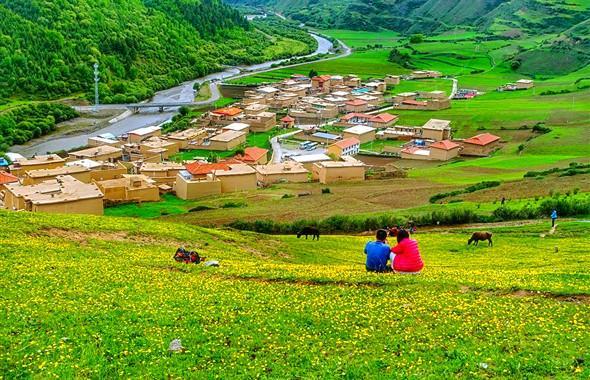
<point>481,236</point>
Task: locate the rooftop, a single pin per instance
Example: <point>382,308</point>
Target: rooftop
<point>445,145</point>
<point>341,164</point>
<point>161,166</point>
<point>7,178</point>
<point>252,154</point>
<point>353,115</point>
<point>326,136</point>
<point>227,136</point>
<point>144,131</point>
<point>64,170</point>
<point>201,168</point>
<point>96,151</point>
<point>228,111</point>
<point>356,102</point>
<point>128,181</point>
<point>187,134</point>
<point>384,118</point>
<point>60,190</point>
<point>359,129</point>
<point>282,168</point>
<point>236,127</point>
<point>38,160</point>
<point>347,143</point>
<point>235,169</point>
<point>311,158</point>
<point>482,139</point>
<point>437,124</point>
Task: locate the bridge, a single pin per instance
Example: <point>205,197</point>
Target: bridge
<point>136,107</point>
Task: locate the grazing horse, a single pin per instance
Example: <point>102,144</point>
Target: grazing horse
<point>481,236</point>
<point>314,232</point>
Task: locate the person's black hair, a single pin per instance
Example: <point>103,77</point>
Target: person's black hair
<point>381,235</point>
<point>402,234</point>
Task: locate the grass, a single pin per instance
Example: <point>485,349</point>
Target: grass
<point>101,297</point>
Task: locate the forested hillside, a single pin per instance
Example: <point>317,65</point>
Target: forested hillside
<point>48,47</point>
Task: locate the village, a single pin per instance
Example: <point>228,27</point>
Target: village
<point>323,126</point>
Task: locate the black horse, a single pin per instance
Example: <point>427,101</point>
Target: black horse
<point>314,232</point>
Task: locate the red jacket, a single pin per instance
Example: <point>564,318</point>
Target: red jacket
<point>407,256</point>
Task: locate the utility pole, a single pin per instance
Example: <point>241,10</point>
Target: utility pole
<point>96,80</point>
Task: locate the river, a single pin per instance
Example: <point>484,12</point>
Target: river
<point>148,117</point>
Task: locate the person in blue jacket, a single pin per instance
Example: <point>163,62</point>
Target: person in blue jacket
<point>378,253</point>
<point>553,217</point>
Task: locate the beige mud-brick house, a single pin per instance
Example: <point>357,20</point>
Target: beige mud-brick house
<point>328,172</point>
<point>191,136</point>
<point>524,84</point>
<point>157,145</point>
<point>309,160</point>
<point>226,115</point>
<point>437,130</point>
<point>383,120</point>
<point>63,195</point>
<point>321,83</point>
<point>347,147</point>
<point>352,81</point>
<point>80,173</point>
<point>97,153</point>
<point>392,80</point>
<point>50,161</point>
<point>481,145</point>
<point>377,86</point>
<point>255,108</point>
<point>103,140</point>
<point>262,122</point>
<point>239,177</point>
<point>130,188</point>
<point>290,172</point>
<point>100,170</point>
<point>361,132</point>
<point>357,106</point>
<point>444,150</point>
<point>225,141</point>
<point>237,127</point>
<point>189,187</point>
<point>162,173</point>
<point>138,135</point>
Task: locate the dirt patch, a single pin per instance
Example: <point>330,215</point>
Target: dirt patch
<point>83,238</point>
<point>575,298</point>
<point>294,281</point>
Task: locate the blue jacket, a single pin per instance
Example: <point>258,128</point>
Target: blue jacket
<point>554,214</point>
<point>377,255</point>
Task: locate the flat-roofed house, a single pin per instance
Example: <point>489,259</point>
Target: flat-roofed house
<point>255,108</point>
<point>157,146</point>
<point>63,195</point>
<point>425,74</point>
<point>361,132</point>
<point>225,141</point>
<point>357,105</point>
<point>481,145</point>
<point>80,173</point>
<point>261,122</point>
<point>403,96</point>
<point>355,118</point>
<point>392,80</point>
<point>281,172</point>
<point>188,137</point>
<point>436,129</point>
<point>347,147</point>
<point>309,159</point>
<point>140,134</point>
<point>444,150</point>
<point>524,84</point>
<point>415,153</point>
<point>239,127</point>
<point>328,172</point>
<point>50,161</point>
<point>104,140</point>
<point>130,188</point>
<point>189,187</point>
<point>352,81</point>
<point>100,170</point>
<point>162,173</point>
<point>377,86</point>
<point>253,156</point>
<point>383,120</point>
<point>239,177</point>
<point>97,153</point>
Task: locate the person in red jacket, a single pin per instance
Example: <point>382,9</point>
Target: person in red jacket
<point>406,255</point>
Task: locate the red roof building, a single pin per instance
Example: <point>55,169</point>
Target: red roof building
<point>483,139</point>
<point>445,145</point>
<point>384,118</point>
<point>254,155</point>
<point>356,102</point>
<point>356,116</point>
<point>6,178</point>
<point>287,119</point>
<point>346,147</point>
<point>228,111</point>
<point>200,169</point>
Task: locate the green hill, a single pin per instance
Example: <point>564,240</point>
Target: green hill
<point>101,297</point>
<point>47,48</point>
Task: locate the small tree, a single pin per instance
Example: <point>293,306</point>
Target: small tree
<point>184,110</point>
<point>416,38</point>
<point>313,73</point>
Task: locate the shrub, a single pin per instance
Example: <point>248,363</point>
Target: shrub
<point>233,205</point>
<point>326,190</point>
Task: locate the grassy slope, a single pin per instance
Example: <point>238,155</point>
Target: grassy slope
<point>101,297</point>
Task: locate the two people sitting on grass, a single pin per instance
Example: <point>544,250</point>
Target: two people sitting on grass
<point>403,258</point>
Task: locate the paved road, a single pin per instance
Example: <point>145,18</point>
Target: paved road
<point>277,150</point>
<point>455,88</point>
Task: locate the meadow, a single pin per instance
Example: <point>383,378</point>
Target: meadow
<point>106,299</point>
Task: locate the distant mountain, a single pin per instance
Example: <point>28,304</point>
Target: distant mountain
<point>48,47</point>
<point>431,16</point>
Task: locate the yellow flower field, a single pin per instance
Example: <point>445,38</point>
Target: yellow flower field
<point>102,298</point>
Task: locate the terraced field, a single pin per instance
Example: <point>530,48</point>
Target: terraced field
<point>101,297</point>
